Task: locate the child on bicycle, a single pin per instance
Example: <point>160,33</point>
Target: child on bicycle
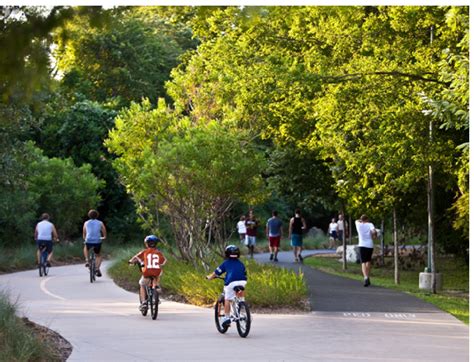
<point>150,260</point>
<point>235,274</point>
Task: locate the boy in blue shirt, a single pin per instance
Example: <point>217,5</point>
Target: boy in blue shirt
<point>235,274</point>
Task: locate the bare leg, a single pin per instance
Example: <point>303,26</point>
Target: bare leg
<point>227,308</point>
<point>86,257</point>
<point>142,293</point>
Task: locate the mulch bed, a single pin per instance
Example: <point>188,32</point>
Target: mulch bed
<point>60,347</point>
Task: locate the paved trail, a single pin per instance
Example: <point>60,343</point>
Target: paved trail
<point>103,324</point>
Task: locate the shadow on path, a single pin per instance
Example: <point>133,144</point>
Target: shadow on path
<point>331,293</point>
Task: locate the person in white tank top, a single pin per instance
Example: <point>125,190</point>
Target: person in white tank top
<point>45,233</point>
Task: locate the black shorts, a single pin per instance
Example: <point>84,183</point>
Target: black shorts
<point>47,243</point>
<point>96,247</point>
<point>365,254</point>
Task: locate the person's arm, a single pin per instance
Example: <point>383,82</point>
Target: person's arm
<point>36,232</point>
<point>55,234</point>
<point>104,231</point>
<point>290,228</point>
<point>84,231</point>
<point>304,224</point>
<point>373,233</point>
<point>212,276</point>
<point>136,258</point>
<point>266,230</point>
<point>163,258</point>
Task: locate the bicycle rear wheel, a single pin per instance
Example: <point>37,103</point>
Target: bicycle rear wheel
<point>154,301</point>
<point>92,267</point>
<point>44,262</point>
<point>243,322</point>
<point>219,315</point>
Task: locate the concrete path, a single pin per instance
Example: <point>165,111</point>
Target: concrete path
<point>103,324</point>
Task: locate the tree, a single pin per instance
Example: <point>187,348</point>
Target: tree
<point>191,174</point>
<point>127,59</point>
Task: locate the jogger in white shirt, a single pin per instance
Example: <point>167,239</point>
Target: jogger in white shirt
<point>367,235</point>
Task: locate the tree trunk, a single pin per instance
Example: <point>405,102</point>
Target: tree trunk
<point>344,259</point>
<point>395,249</point>
<point>382,243</point>
<point>431,253</point>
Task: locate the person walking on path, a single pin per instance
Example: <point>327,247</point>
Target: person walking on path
<point>93,233</point>
<point>342,228</point>
<point>241,229</point>
<point>251,223</point>
<point>367,235</point>
<point>274,231</point>
<point>332,233</point>
<point>295,234</point>
<point>45,233</point>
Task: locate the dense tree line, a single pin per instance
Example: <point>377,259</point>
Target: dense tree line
<point>325,108</point>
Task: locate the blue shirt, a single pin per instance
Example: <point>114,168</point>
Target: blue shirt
<point>93,231</point>
<point>234,269</point>
<point>274,226</point>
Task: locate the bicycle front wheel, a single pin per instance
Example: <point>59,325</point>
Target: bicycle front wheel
<point>155,300</point>
<point>143,310</point>
<point>219,315</point>
<point>244,320</point>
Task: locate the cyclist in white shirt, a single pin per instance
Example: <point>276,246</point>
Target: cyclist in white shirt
<point>45,233</point>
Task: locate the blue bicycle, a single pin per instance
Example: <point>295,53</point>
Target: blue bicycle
<point>43,265</point>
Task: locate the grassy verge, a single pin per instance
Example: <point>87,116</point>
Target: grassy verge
<point>18,340</point>
<point>268,287</point>
<point>454,298</point>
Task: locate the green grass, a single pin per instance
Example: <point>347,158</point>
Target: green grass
<point>267,287</point>
<point>454,298</point>
<point>17,341</point>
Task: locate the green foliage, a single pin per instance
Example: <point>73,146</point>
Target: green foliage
<point>65,191</point>
<point>191,173</point>
<point>127,59</point>
<point>344,83</point>
<point>47,185</point>
<point>17,342</point>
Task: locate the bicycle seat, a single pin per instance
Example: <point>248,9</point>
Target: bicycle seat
<point>239,288</point>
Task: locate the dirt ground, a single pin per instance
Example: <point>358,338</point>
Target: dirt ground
<point>60,347</point>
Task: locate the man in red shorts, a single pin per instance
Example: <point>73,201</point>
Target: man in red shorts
<point>274,231</point>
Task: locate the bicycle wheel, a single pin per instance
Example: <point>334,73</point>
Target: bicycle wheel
<point>154,301</point>
<point>144,311</point>
<point>92,267</point>
<point>219,315</point>
<point>243,322</point>
<point>40,268</point>
<point>44,262</point>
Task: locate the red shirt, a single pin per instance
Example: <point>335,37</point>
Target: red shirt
<point>152,259</point>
